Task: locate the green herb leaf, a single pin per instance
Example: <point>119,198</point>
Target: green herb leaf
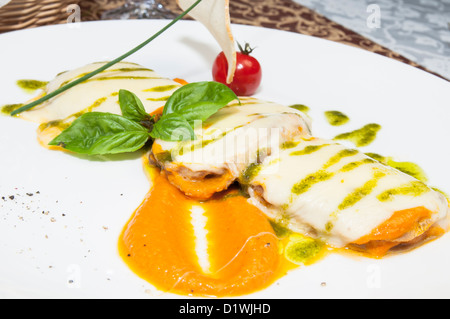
<point>172,127</point>
<point>132,107</point>
<point>96,133</point>
<point>199,100</point>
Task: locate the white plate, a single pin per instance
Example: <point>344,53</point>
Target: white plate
<point>62,241</point>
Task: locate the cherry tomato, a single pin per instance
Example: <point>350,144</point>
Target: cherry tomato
<point>247,76</point>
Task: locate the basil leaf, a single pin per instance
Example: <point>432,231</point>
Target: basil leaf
<point>97,133</point>
<point>199,100</point>
<point>131,106</point>
<point>172,127</point>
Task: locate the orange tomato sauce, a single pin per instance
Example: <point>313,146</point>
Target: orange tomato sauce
<point>243,254</point>
<point>158,244</point>
<point>383,238</point>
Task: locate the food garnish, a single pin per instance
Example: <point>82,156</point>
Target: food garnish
<point>100,133</point>
<point>215,16</point>
<point>248,74</point>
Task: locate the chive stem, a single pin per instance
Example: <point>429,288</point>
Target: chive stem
<point>104,67</point>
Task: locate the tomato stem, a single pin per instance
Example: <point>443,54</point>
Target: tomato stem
<point>246,50</point>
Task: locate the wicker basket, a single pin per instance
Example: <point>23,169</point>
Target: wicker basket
<point>22,14</point>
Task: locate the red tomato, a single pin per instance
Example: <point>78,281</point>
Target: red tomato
<point>247,77</point>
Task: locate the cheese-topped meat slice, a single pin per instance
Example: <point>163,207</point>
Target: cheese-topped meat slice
<point>325,190</point>
<point>230,140</point>
<point>99,94</point>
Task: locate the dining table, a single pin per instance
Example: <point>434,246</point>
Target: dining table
<point>286,15</point>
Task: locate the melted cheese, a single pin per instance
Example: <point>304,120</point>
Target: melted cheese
<point>322,189</point>
<point>100,93</point>
<point>236,136</point>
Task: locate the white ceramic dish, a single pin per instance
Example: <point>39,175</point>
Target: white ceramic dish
<point>58,235</point>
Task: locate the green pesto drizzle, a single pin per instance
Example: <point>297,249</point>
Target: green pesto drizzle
<point>163,157</point>
<point>336,118</point>
<point>300,107</point>
<point>336,158</point>
<point>324,175</point>
<point>279,229</point>
<point>414,188</point>
<point>309,149</point>
<point>61,124</point>
<point>361,137</point>
<point>310,180</point>
<point>301,249</point>
<point>31,85</point>
<point>361,192</point>
<point>65,123</point>
<point>7,109</point>
<point>409,168</point>
<point>243,102</point>
<point>202,143</point>
<point>354,197</point>
<point>250,172</point>
<point>77,77</point>
<point>377,157</point>
<point>350,166</point>
<point>96,104</point>
<point>128,70</point>
<point>289,144</point>
<point>105,71</point>
<point>164,98</point>
<point>162,88</point>
<point>122,77</point>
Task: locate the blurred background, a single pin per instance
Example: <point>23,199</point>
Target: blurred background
<point>416,32</point>
<point>417,29</point>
